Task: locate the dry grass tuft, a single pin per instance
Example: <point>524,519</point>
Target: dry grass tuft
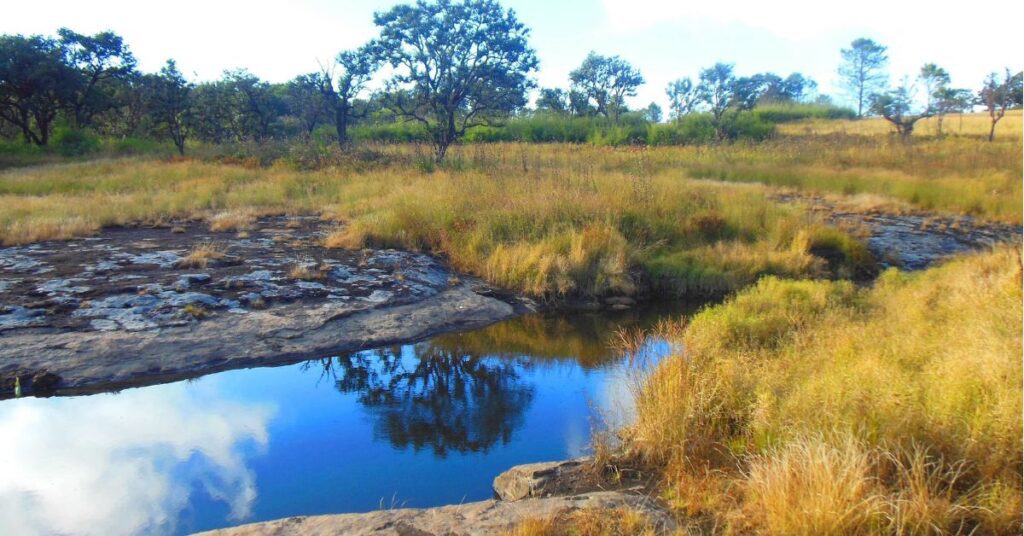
<point>232,220</point>
<point>309,272</point>
<point>589,522</point>
<point>201,255</point>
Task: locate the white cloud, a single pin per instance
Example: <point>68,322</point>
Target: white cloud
<point>122,464</point>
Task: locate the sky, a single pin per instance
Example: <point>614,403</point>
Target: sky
<point>665,39</point>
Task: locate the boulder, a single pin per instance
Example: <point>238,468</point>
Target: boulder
<point>541,480</point>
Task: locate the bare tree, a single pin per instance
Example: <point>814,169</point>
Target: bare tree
<point>997,95</point>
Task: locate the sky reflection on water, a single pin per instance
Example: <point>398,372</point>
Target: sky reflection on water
<point>415,425</point>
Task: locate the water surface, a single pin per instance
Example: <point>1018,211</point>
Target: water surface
<point>415,425</point>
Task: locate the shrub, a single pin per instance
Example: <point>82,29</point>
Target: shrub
<point>74,142</point>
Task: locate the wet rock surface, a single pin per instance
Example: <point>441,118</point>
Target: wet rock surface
<point>912,240</point>
<point>141,302</point>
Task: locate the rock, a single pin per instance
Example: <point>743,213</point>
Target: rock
<point>478,518</point>
<point>44,383</point>
<point>187,280</point>
<point>541,480</point>
<point>620,300</point>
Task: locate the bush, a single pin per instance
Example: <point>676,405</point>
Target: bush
<point>789,112</point>
<point>74,142</point>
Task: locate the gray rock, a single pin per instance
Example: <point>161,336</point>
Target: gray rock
<point>540,480</point>
<point>379,296</point>
<point>478,518</point>
<point>175,299</point>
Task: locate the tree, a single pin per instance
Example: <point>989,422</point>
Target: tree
<point>897,107</point>
<point>653,113</point>
<point>305,101</point>
<point>716,90</point>
<point>948,100</point>
<point>997,95</point>
<point>100,61</point>
<point>342,84</point>
<point>863,70</point>
<point>683,97</point>
<point>553,100</point>
<point>933,78</point>
<point>35,83</point>
<point>797,87</point>
<point>254,103</point>
<point>459,63</point>
<point>606,81</point>
<point>170,103</point>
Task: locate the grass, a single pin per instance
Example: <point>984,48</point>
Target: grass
<point>578,222</point>
<point>817,407</point>
<point>969,124</point>
<point>201,255</point>
<point>589,522</point>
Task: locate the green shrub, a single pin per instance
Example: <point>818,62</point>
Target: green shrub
<point>74,142</point>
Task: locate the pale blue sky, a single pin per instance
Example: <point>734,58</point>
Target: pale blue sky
<point>664,39</point>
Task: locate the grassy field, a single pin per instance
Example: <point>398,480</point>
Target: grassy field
<point>821,408</point>
<point>970,124</point>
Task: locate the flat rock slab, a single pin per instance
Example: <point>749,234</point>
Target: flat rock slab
<point>544,479</point>
<point>123,308</point>
<point>912,240</point>
<point>479,518</point>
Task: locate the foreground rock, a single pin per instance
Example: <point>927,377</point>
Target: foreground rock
<point>126,307</point>
<point>491,517</point>
<point>541,491</point>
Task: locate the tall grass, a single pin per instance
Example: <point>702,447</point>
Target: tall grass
<point>814,407</point>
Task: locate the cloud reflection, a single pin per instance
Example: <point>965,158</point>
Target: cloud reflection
<point>124,463</point>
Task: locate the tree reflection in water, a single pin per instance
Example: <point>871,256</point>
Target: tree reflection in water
<point>432,397</point>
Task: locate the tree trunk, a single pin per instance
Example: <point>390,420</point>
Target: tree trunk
<point>938,125</point>
<point>992,130</point>
<point>341,124</point>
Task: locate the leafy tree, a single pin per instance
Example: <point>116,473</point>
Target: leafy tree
<point>683,97</point>
<point>553,100</point>
<point>255,104</point>
<point>946,100</point>
<point>305,101</point>
<point>101,62</point>
<point>863,70</point>
<point>606,81</point>
<point>933,78</point>
<point>653,113</point>
<point>35,83</point>
<point>170,103</point>
<point>341,88</point>
<point>579,104</point>
<point>897,107</point>
<point>215,116</point>
<point>716,90</point>
<point>997,95</point>
<point>797,87</point>
<point>459,63</point>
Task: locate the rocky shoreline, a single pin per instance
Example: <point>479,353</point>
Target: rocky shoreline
<point>137,306</point>
<point>540,491</point>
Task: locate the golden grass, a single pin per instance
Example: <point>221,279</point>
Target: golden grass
<point>308,272</point>
<point>548,220</point>
<point>969,124</point>
<point>589,522</point>
<point>201,255</point>
<point>813,407</point>
<point>233,220</point>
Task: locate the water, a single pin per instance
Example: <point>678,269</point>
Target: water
<point>415,426</point>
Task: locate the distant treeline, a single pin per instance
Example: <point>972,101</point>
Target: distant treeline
<point>71,90</point>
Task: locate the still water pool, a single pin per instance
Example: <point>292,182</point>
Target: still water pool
<point>415,425</point>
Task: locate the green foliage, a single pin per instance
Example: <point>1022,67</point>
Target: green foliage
<point>75,142</point>
<point>789,112</point>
